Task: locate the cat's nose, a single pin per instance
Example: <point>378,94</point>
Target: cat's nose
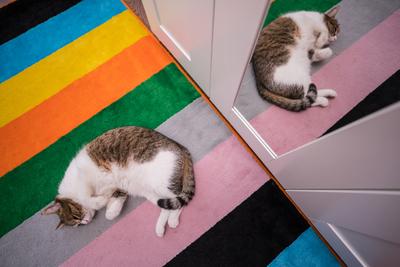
<point>88,216</point>
<point>85,221</point>
<point>333,38</point>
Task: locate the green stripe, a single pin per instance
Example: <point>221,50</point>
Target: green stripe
<point>280,7</point>
<point>32,185</point>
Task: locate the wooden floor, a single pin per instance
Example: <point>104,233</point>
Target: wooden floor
<point>137,7</point>
<point>5,2</point>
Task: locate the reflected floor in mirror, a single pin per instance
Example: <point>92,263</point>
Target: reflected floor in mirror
<point>364,56</point>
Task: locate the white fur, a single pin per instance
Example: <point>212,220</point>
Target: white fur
<point>92,187</point>
<point>297,69</point>
<point>321,54</point>
<point>170,216</point>
<point>114,207</point>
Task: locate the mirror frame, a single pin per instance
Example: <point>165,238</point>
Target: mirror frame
<point>230,60</point>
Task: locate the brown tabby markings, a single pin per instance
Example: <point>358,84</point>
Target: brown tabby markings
<point>123,144</point>
<point>70,213</point>
<point>332,25</point>
<point>272,50</point>
<point>119,193</point>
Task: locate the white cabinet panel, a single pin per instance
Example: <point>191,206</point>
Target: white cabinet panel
<point>363,155</point>
<point>341,247</point>
<point>374,213</point>
<point>185,27</point>
<point>373,251</point>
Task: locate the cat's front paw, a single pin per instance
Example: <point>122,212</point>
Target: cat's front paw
<point>325,53</point>
<point>114,208</point>
<point>111,214</point>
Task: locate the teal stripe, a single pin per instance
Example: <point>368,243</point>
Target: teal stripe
<point>307,250</point>
<point>46,38</point>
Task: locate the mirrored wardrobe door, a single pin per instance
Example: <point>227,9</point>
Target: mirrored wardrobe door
<point>325,169</point>
<point>236,28</point>
<point>275,106</point>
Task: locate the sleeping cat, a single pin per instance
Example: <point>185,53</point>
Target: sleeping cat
<point>283,56</point>
<point>128,160</point>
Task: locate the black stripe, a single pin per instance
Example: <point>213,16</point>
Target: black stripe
<point>20,16</point>
<point>251,235</point>
<point>386,94</point>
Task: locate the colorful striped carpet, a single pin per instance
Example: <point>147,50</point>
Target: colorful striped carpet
<point>71,70</point>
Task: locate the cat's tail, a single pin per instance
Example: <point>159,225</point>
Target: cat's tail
<point>289,103</point>
<point>188,185</point>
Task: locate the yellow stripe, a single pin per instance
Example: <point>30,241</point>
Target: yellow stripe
<point>50,75</point>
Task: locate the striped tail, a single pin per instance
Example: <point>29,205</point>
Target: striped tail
<point>288,103</point>
<point>188,186</point>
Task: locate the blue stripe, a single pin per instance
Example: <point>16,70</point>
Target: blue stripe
<point>46,38</point>
<point>306,250</point>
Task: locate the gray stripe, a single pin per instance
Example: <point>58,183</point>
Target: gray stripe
<point>196,127</point>
<point>356,18</point>
<point>36,243</point>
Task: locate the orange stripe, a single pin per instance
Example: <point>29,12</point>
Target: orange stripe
<point>43,125</point>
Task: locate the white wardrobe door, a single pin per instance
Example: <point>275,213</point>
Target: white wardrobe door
<point>185,27</point>
<point>367,222</point>
<point>362,155</point>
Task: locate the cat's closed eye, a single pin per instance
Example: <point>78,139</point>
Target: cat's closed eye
<point>317,34</point>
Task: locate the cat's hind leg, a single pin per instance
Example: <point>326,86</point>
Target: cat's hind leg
<point>327,93</point>
<point>322,97</point>
<point>173,219</point>
<point>161,222</point>
<point>321,101</point>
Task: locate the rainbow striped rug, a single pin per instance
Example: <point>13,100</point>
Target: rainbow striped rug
<point>71,70</point>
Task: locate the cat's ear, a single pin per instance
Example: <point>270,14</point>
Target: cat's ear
<point>53,208</point>
<point>60,224</point>
<point>332,13</point>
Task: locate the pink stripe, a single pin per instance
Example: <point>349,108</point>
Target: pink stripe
<point>225,177</point>
<point>354,74</point>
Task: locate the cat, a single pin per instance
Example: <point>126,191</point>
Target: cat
<point>283,55</point>
<point>125,161</point>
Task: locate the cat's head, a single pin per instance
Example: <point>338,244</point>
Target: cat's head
<point>69,212</point>
<point>332,24</point>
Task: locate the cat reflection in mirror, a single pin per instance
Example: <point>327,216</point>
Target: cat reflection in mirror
<point>125,161</point>
<point>283,56</point>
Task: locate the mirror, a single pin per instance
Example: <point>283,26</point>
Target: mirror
<point>347,60</point>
